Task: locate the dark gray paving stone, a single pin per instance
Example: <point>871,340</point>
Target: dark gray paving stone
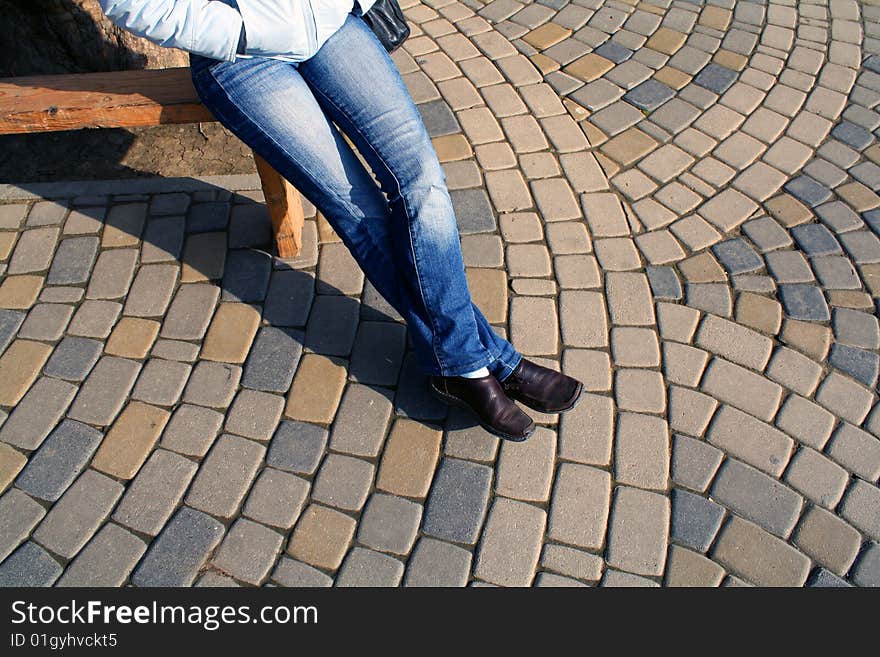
<point>163,240</point>
<point>246,276</point>
<point>815,240</point>
<point>46,321</point>
<point>289,298</point>
<point>225,476</point>
<point>128,218</point>
<point>155,492</point>
<point>290,572</point>
<point>413,397</point>
<point>649,95</point>
<point>61,457</point>
<point>457,503</point>
<point>175,557</point>
<point>804,302</point>
<point>852,135</point>
<point>19,514</point>
<point>102,395</point>
<point>872,218</point>
<point>860,364</point>
<point>438,118</point>
<point>10,321</point>
<point>436,563</point>
<point>390,524</point>
<point>175,203</point>
<point>106,561</point>
<point>695,520</point>
<point>737,257</point>
<point>377,354</point>
<point>248,551</point>
<point>207,217</point>
<point>75,518</point>
<point>826,579</point>
<point>332,325</point>
<point>73,261</point>
<point>273,359</point>
<point>161,382</point>
<point>37,413</point>
<point>192,430</point>
<point>30,566</point>
<point>612,51</point>
<point>716,78</point>
<point>473,211</point>
<point>190,312</point>
<point>867,570</point>
<point>375,307</point>
<point>872,63</point>
<point>249,226</point>
<point>664,283</point>
<point>364,567</point>
<point>808,190</point>
<point>212,384</point>
<point>74,358</point>
<point>757,497</point>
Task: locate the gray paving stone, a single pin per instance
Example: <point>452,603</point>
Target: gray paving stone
<point>614,52</point>
<point>297,447</point>
<point>102,395</point>
<point>112,274</point>
<point>715,78</point>
<point>289,298</point>
<point>862,246</point>
<point>457,503</point>
<point>867,570</point>
<point>390,524</point>
<point>192,430</point>
<point>246,276</point>
<point>343,482</point>
<point>75,518</point>
<point>838,216</point>
<point>856,450</point>
<point>293,573</point>
<point>438,118</point>
<point>436,563</point>
<point>73,358</point>
<point>10,321</point>
<point>766,234</point>
<point>106,561</point>
<point>31,566</point>
<point>695,520</point>
<point>273,359</point>
<point>37,413</point>
<point>649,95</point>
<point>817,477</point>
<point>46,321</point>
<point>694,462</point>
<point>804,302</point>
<point>377,354</point>
<point>473,211</point>
<point>277,498</point>
<point>161,382</point>
<point>225,476</point>
<point>190,312</point>
<point>860,506</point>
<point>175,557</point>
<point>248,551</point>
<point>757,497</point>
<point>815,240</point>
<point>826,579</point>
<point>807,190</point>
<point>73,261</point>
<point>94,319</point>
<point>413,398</point>
<point>789,267</point>
<point>664,283</point>
<point>375,307</point>
<point>836,273</point>
<point>332,325</point>
<point>856,329</point>
<point>33,252</point>
<point>254,414</point>
<point>364,567</point>
<point>61,457</point>
<point>249,226</point>
<point>151,291</point>
<point>737,257</point>
<point>852,135</point>
<point>638,531</point>
<point>710,297</point>
<point>860,364</point>
<point>361,421</point>
<point>616,578</point>
<point>61,294</point>
<point>155,492</point>
<point>511,543</point>
<point>212,384</point>
<point>19,514</point>
<point>207,217</point>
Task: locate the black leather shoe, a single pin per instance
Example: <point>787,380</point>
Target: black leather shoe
<point>541,388</point>
<point>484,396</point>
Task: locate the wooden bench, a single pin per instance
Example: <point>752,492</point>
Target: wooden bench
<point>127,99</point>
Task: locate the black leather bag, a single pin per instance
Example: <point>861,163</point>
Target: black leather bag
<point>386,19</point>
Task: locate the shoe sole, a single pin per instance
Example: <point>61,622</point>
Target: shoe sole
<point>495,432</point>
<point>571,404</point>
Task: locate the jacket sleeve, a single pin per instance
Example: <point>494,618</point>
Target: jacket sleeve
<point>211,29</point>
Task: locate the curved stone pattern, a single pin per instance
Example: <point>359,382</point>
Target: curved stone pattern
<point>674,201</point>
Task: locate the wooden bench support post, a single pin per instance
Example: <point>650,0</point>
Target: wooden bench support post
<point>285,209</point>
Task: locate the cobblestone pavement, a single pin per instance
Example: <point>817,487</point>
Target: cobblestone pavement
<point>674,201</point>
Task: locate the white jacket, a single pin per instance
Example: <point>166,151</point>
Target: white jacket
<point>292,30</point>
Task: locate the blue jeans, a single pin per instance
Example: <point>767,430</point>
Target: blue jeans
<point>403,235</point>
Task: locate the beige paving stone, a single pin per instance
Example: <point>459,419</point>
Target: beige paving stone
<point>548,34</point>
<point>703,268</point>
<point>640,390</point>
<point>677,322</point>
<point>583,319</point>
<point>321,537</point>
<point>438,66</point>
<point>788,210</point>
<point>539,165</point>
<point>508,190</point>
<point>845,398</point>
<point>521,227</point>
<point>7,241</point>
<point>683,364</point>
<point>568,238</point>
<point>672,77</point>
<point>730,59</point>
<point>635,347</point>
<point>460,93</point>
<point>480,125</point>
<point>544,63</point>
<point>750,440</point>
<point>794,371</point>
<point>488,289</point>
<point>742,388</point>
<point>695,232</point>
<point>807,422</point>
<point>525,470</point>
<point>633,184</point>
<point>788,155</point>
<point>452,147</point>
<point>589,67</point>
<point>858,196</point>
<point>639,531</point>
<point>583,172</point>
<point>605,215</point>
<point>746,549</point>
<point>19,367</point>
<point>542,100</point>
<point>719,122</point>
<point>759,312</point>
<point>617,254</point>
<point>524,134</point>
<point>11,463</point>
<point>828,539</point>
<point>519,70</point>
<point>132,337</point>
<point>130,440</point>
<point>685,568</point>
<point>666,41</point>
<point>734,342</point>
<point>511,543</point>
<point>231,332</point>
<point>497,155</point>
<point>629,146</point>
<point>565,134</point>
<point>409,459</point>
<point>659,247</point>
<point>641,451</point>
<point>678,198</point>
<point>555,199</point>
<point>728,209</point>
<point>690,411</point>
<point>204,257</point>
<point>812,339</point>
<point>580,505</point>
<point>666,162</point>
<point>20,292</point>
<point>629,299</point>
<point>715,17</point>
<point>586,432</point>
<point>317,389</point>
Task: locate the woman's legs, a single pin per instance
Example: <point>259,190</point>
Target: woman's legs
<point>406,244</point>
